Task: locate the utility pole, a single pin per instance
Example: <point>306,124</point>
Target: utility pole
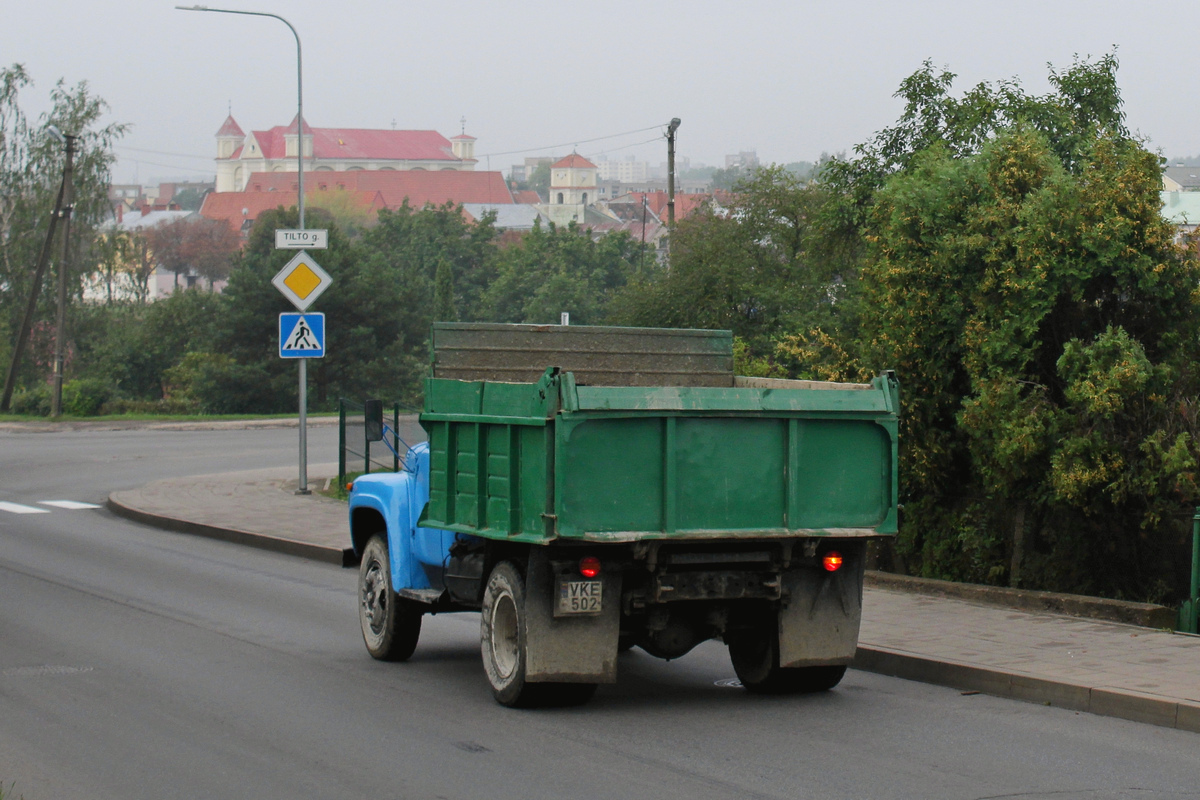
<point>674,126</point>
<point>60,333</point>
<point>10,380</point>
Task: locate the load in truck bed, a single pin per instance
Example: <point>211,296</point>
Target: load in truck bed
<point>625,434</point>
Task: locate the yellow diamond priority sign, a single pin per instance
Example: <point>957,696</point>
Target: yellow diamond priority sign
<point>302,280</point>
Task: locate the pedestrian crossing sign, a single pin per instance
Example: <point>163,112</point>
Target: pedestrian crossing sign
<point>302,335</point>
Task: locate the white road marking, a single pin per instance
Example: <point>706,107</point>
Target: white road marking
<point>17,508</point>
<point>70,505</point>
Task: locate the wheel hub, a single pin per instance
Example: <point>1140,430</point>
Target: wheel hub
<point>504,642</point>
<point>374,597</point>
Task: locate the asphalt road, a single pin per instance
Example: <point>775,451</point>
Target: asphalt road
<point>141,664</point>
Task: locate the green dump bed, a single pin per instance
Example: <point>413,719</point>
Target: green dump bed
<point>554,459</point>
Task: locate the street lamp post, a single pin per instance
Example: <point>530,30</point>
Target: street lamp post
<point>302,488</point>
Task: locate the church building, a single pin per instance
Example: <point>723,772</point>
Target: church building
<point>241,154</point>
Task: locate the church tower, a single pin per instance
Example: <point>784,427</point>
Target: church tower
<point>572,188</point>
<point>229,145</point>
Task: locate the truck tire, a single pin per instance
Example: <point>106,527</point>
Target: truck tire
<point>390,624</point>
<point>755,657</point>
<point>502,641</point>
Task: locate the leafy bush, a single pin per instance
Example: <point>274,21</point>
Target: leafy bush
<point>219,385</point>
<point>165,406</point>
<point>85,397</point>
<point>35,401</point>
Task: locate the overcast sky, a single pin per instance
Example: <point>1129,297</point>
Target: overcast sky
<point>788,79</point>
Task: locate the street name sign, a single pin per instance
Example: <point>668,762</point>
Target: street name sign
<point>301,240</point>
<point>302,280</point>
<point>302,335</point>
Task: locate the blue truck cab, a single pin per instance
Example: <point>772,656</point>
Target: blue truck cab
<point>390,504</point>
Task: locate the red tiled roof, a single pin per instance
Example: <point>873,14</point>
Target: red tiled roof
<point>419,187</point>
<point>527,196</point>
<point>574,160</point>
<point>359,144</point>
<point>656,201</point>
<point>230,128</point>
<point>237,207</point>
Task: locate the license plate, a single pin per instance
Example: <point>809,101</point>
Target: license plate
<point>578,597</point>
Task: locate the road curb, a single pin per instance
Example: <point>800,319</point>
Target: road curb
<point>313,552</point>
<point>74,426</point>
<point>1101,700</point>
<point>1145,615</point>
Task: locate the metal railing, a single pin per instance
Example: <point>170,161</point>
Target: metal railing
<point>1189,613</point>
<point>360,425</point>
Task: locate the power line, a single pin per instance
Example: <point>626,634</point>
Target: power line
<point>572,143</point>
<point>139,162</point>
<point>625,146</point>
<point>161,152</point>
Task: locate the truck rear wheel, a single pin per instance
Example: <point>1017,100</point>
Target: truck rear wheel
<point>502,639</point>
<point>390,624</point>
<point>755,657</point>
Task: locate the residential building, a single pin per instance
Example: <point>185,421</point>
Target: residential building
<point>746,159</point>
<point>1181,209</point>
<point>623,171</point>
<point>520,173</point>
<point>1181,178</point>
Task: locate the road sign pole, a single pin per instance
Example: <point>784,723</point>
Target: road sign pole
<point>303,486</point>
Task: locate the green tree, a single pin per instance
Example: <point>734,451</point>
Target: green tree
<point>751,269</point>
<point>31,169</point>
<point>360,324</point>
<point>443,293</point>
<point>1043,323</point>
<point>539,180</point>
<point>726,179</point>
<point>194,244</point>
<point>555,269</point>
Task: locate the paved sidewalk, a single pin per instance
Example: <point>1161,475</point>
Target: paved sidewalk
<point>1109,668</point>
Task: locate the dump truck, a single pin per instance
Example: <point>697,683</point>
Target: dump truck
<point>592,489</point>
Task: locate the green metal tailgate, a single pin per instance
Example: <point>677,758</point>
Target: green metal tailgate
<point>532,462</point>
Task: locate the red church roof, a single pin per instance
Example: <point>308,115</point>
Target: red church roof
<point>230,128</point>
<point>573,160</point>
<point>359,144</point>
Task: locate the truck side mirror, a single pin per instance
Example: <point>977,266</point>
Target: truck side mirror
<point>373,420</point>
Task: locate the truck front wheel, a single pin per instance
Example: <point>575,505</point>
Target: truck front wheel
<point>755,657</point>
<point>390,624</point>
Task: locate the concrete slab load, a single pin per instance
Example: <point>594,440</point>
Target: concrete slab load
<point>969,638</point>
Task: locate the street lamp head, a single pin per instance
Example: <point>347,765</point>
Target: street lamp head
<point>192,8</point>
<point>56,133</point>
<point>674,126</point>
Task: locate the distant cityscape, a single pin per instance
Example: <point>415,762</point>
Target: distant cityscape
<point>370,169</point>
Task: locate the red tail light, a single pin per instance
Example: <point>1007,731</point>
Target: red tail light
<point>589,566</point>
<point>833,561</point>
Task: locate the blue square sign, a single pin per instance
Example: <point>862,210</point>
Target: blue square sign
<point>302,335</point>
